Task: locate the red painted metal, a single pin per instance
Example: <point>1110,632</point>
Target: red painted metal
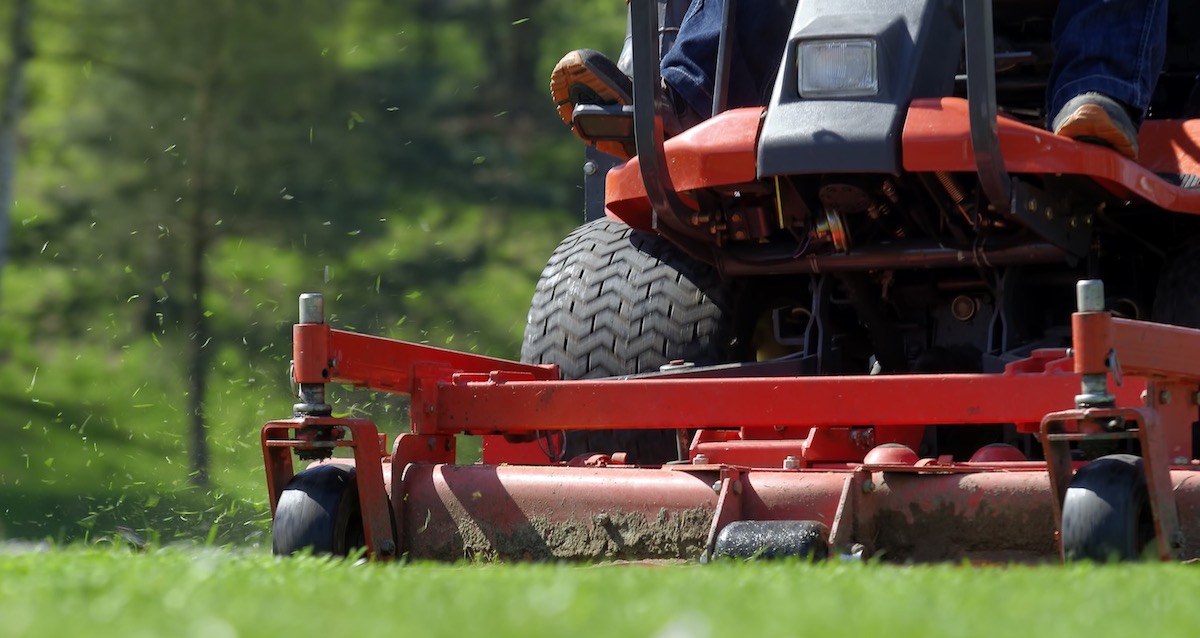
<point>516,512</point>
<point>325,355</point>
<point>472,404</point>
<point>1093,343</point>
<point>723,152</point>
<point>748,427</point>
<point>719,151</point>
<point>495,450</point>
<point>891,455</point>
<point>1156,350</point>
<point>997,453</point>
<point>729,506</point>
<point>453,512</point>
<point>937,138</point>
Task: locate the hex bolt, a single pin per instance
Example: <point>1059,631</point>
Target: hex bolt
<point>868,486</point>
<point>387,547</point>
<point>717,487</point>
<point>1164,397</point>
<point>791,463</point>
<point>589,168</point>
<point>700,459</point>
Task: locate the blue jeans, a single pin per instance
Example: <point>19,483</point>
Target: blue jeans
<point>1114,47</point>
<point>690,66</point>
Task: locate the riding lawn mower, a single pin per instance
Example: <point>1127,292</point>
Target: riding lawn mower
<point>895,320</point>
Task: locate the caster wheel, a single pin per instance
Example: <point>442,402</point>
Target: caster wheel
<point>319,512</point>
<point>1107,514</point>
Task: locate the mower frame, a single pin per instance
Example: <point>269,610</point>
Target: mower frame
<point>761,445</point>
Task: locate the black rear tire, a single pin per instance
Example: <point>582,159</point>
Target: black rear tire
<point>1106,515</point>
<point>615,301</point>
<point>319,512</point>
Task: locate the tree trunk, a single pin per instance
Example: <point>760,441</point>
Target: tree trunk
<point>200,235</point>
<point>521,74</point>
<point>10,115</point>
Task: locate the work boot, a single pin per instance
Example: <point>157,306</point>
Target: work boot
<point>585,76</point>
<point>1095,118</point>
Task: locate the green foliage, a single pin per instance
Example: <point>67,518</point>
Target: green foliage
<point>401,158</point>
<point>212,593</point>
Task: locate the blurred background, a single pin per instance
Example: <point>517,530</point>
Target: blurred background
<point>174,174</point>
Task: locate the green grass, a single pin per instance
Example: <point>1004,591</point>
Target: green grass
<point>212,592</point>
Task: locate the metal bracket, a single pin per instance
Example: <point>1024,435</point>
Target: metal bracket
<point>1053,217</point>
<point>1060,429</point>
<point>981,104</point>
<point>729,508</point>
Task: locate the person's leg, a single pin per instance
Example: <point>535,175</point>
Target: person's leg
<point>1108,55</point>
<point>761,30</point>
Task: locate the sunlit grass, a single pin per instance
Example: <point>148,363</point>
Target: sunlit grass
<point>210,592</point>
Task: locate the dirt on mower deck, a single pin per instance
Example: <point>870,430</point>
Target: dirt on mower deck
<point>611,535</point>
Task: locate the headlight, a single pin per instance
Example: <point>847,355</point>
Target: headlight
<point>837,68</point>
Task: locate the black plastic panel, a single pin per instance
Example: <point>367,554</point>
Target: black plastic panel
<point>919,51</point>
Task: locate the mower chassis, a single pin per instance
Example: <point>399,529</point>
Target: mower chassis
<point>835,450</point>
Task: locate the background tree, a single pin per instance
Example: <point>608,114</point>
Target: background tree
<point>10,112</point>
<point>188,168</point>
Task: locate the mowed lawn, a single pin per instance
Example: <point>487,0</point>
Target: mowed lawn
<point>221,593</point>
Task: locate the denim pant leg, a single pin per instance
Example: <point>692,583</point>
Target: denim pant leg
<point>1114,47</point>
<point>690,67</point>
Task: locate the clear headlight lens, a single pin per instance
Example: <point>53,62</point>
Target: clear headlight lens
<point>838,68</point>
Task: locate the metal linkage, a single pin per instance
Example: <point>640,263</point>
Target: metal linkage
<point>981,100</point>
<point>649,110</point>
<point>311,396</point>
<point>1089,295</point>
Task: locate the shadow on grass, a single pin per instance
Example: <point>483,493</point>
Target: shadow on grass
<point>181,514</point>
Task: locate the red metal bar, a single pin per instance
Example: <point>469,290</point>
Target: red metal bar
<point>1154,349</point>
<point>324,355</point>
<point>729,507</point>
<point>483,407</point>
<point>277,460</point>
